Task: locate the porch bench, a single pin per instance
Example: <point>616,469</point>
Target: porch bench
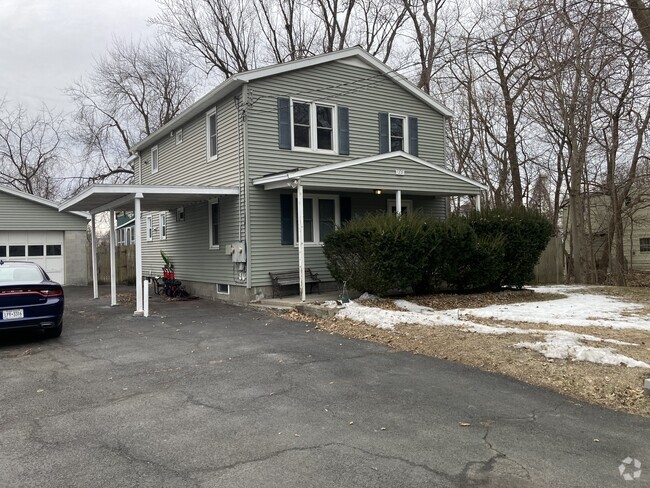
<point>287,278</point>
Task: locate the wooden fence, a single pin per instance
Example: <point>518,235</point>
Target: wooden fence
<point>124,264</point>
<point>550,267</point>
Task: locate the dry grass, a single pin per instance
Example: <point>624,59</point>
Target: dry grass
<point>615,387</point>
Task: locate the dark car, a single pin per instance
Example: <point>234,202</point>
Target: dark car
<point>29,299</point>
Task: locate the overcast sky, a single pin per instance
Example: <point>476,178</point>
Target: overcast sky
<point>47,44</point>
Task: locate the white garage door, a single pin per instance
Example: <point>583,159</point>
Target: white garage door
<point>42,247</point>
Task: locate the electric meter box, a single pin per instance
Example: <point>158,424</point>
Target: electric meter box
<point>238,252</point>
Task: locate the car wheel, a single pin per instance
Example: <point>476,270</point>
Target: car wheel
<point>55,331</point>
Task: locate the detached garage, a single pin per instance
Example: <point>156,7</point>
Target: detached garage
<point>33,229</point>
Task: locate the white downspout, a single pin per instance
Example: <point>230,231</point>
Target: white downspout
<point>138,257</point>
<point>301,242</point>
<point>112,249</point>
<point>478,202</point>
<point>93,243</point>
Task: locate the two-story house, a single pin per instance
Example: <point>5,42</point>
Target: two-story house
<point>229,184</point>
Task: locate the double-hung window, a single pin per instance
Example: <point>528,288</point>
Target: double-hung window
<point>398,133</point>
<point>213,217</point>
<point>313,126</point>
<point>162,221</point>
<point>211,134</point>
<point>154,160</point>
<point>321,215</point>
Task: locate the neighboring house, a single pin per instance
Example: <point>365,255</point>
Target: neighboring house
<point>125,229</point>
<point>32,229</point>
<point>223,183</point>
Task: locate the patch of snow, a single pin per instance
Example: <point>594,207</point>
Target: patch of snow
<point>367,296</point>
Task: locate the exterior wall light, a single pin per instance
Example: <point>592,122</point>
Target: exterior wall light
<point>377,191</point>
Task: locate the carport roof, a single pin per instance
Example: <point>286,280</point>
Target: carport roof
<point>100,198</point>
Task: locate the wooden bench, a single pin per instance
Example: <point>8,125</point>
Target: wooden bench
<point>287,278</point>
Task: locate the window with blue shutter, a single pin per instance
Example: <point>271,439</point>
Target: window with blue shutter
<point>413,135</point>
<point>284,123</point>
<point>344,130</point>
<point>286,220</point>
<point>384,139</point>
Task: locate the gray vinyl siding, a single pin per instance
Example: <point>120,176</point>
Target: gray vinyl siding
<point>276,257</point>
<point>187,244</point>
<point>365,100</point>
<point>187,163</point>
<point>21,214</point>
<point>381,174</point>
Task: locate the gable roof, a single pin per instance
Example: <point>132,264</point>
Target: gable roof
<point>239,79</point>
<point>37,199</point>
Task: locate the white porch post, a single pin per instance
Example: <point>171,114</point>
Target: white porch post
<point>93,242</point>
<point>398,202</point>
<point>478,202</point>
<point>301,242</point>
<point>138,257</point>
<point>112,248</point>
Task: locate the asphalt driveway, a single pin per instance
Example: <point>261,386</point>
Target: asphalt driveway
<point>212,395</point>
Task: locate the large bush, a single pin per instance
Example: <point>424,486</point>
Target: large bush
<point>381,252</point>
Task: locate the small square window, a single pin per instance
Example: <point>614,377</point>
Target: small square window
<point>644,244</point>
<point>16,251</point>
<point>179,136</point>
<point>53,249</point>
<point>35,251</point>
<point>223,289</point>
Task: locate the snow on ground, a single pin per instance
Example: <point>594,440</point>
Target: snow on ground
<point>577,309</point>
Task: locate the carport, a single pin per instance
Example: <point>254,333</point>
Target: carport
<point>138,198</point>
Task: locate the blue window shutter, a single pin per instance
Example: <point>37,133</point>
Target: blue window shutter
<point>284,123</point>
<point>345,205</point>
<point>286,219</point>
<point>384,136</point>
<point>344,130</point>
<point>413,136</point>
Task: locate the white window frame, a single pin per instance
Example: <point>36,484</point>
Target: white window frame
<point>211,157</point>
<point>313,129</point>
<point>149,227</point>
<point>210,244</point>
<point>405,122</point>
<point>162,224</point>
<point>315,216</point>
<point>180,214</point>
<point>155,160</point>
<point>405,203</point>
<point>179,136</point>
<point>227,292</point>
<point>642,245</point>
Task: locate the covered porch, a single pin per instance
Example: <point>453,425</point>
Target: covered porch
<point>397,175</point>
<point>137,198</point>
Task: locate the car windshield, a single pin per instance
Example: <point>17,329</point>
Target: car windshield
<point>19,274</point>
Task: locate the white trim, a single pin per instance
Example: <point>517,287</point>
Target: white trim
<point>211,245</point>
<point>405,132</point>
<point>179,136</point>
<point>315,215</point>
<point>208,135</point>
<point>223,292</point>
<point>295,175</point>
<point>392,202</point>
<point>240,79</point>
<point>162,226</point>
<point>313,126</point>
<point>149,227</point>
<point>155,162</point>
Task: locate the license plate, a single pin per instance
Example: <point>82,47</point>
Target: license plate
<point>13,314</point>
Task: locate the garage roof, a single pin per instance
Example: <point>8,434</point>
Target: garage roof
<point>100,198</point>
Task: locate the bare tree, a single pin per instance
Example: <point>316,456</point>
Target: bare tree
<point>132,91</point>
<point>30,150</point>
<point>641,13</point>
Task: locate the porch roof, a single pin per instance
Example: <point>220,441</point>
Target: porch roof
<point>100,198</point>
<point>391,171</point>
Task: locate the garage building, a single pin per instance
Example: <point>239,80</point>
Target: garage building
<point>33,229</point>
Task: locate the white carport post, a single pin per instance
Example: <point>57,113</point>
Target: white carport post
<point>112,248</point>
<point>478,202</point>
<point>398,202</point>
<point>93,244</point>
<point>301,242</point>
<point>138,257</point>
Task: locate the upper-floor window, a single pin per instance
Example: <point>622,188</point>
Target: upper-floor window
<point>313,126</point>
<point>211,133</point>
<point>644,244</point>
<point>154,159</point>
<point>162,220</point>
<point>398,133</point>
<point>179,136</point>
